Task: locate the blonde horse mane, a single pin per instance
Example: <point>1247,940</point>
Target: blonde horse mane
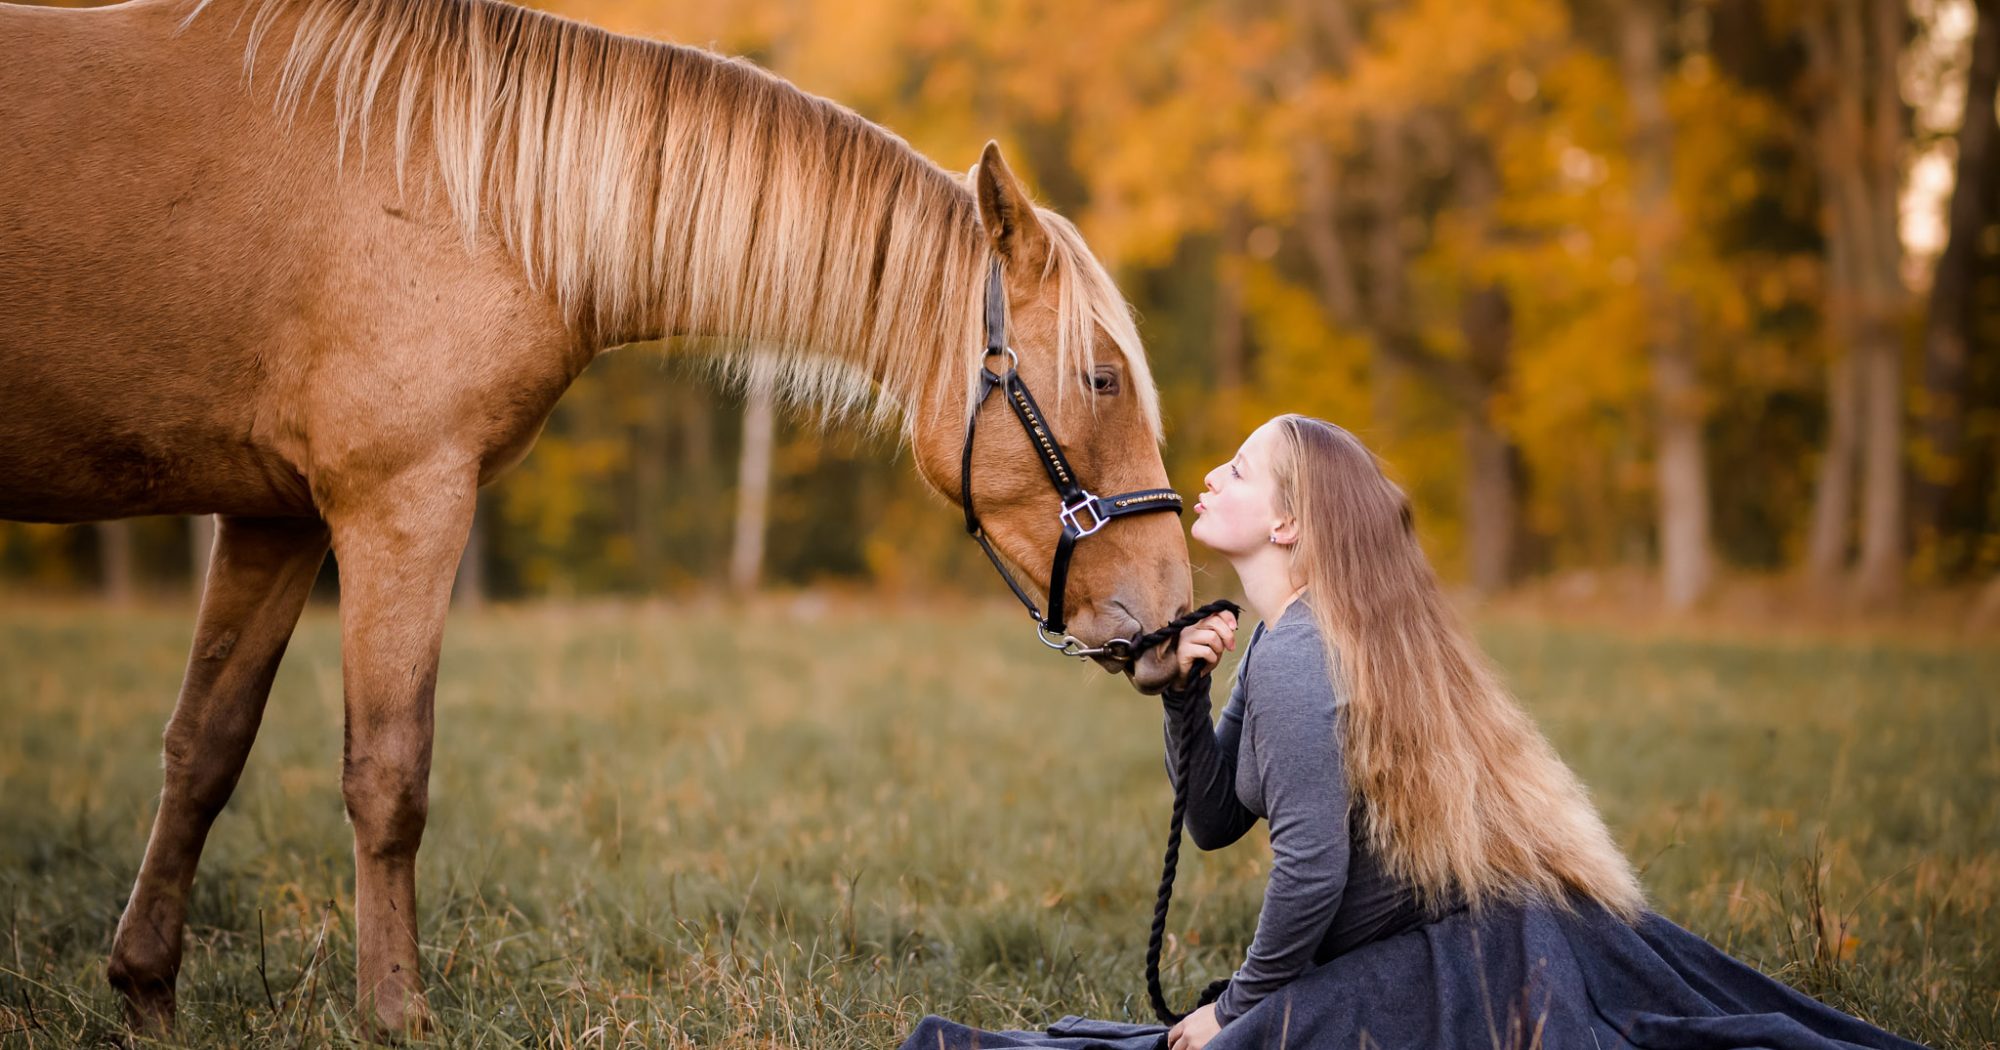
<point>639,180</point>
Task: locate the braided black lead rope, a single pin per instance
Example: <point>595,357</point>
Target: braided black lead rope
<point>1175,626</point>
<point>1184,759</point>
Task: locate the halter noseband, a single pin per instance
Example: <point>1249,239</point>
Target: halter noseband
<point>1082,514</point>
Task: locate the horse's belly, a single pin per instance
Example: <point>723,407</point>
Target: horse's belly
<point>86,434</point>
<point>52,469</point>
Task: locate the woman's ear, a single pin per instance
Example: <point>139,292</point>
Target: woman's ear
<point>1286,532</point>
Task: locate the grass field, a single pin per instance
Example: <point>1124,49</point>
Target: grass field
<point>800,826</point>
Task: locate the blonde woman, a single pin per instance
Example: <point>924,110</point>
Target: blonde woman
<point>1439,878</point>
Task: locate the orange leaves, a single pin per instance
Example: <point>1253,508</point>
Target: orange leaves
<point>1431,52</point>
<point>1196,138</point>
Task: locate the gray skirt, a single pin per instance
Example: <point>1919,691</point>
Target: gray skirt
<point>1510,977</point>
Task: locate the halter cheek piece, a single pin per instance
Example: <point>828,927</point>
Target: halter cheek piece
<point>1082,514</point>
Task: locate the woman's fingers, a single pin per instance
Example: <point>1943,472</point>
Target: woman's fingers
<point>1189,653</point>
<point>1199,642</point>
<point>1207,636</point>
<point>1206,641</point>
<point>1222,625</point>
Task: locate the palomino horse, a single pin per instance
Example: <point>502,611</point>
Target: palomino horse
<point>227,287</point>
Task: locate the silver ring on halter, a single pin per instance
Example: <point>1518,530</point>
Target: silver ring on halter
<point>1013,361</point>
<point>1070,645</point>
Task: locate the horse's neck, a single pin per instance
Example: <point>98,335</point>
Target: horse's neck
<point>905,339</point>
<point>826,243</point>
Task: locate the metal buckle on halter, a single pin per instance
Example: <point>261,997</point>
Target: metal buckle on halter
<point>1069,513</point>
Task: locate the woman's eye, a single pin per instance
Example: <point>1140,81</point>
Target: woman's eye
<point>1233,471</point>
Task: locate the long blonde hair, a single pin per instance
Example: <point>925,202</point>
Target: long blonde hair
<point>1459,791</point>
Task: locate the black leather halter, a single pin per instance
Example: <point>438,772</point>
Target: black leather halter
<point>1082,514</point>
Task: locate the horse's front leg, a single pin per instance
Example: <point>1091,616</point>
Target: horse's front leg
<point>398,544</point>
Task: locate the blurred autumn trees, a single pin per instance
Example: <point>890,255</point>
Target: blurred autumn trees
<point>1701,286</point>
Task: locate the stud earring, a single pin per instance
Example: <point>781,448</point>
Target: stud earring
<point>1274,537</point>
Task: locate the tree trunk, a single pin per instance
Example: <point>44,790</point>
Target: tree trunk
<point>1880,574</point>
<point>1229,334</point>
<point>1388,275</point>
<point>1833,51</point>
<point>1319,220</point>
<point>201,547</point>
<point>1947,328</point>
<point>1320,230</point>
<point>1879,577</point>
<point>1686,561</point>
<point>1986,608</point>
<point>753,487</point>
<point>1486,322</point>
<point>700,541</point>
<point>1490,506</point>
<point>650,469</point>
<point>114,555</point>
<point>468,591</point>
<point>1833,492</point>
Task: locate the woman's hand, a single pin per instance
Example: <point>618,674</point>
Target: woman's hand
<point>1197,1028</point>
<point>1207,640</point>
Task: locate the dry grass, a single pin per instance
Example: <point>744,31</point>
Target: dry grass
<point>805,825</point>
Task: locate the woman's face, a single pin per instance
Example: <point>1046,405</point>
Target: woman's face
<point>1237,511</point>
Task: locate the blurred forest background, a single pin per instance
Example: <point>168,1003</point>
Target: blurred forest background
<point>1659,309</point>
<point>1661,295</point>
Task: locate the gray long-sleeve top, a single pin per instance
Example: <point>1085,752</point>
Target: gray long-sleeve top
<point>1276,754</point>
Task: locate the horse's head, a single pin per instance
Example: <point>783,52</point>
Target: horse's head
<point>1078,353</point>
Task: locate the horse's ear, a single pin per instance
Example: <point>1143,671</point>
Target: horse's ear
<point>1007,213</point>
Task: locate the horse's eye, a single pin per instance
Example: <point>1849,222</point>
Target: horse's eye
<point>1104,381</point>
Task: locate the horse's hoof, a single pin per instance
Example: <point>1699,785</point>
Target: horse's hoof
<point>149,1000</point>
<point>150,1016</point>
<point>409,1019</point>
